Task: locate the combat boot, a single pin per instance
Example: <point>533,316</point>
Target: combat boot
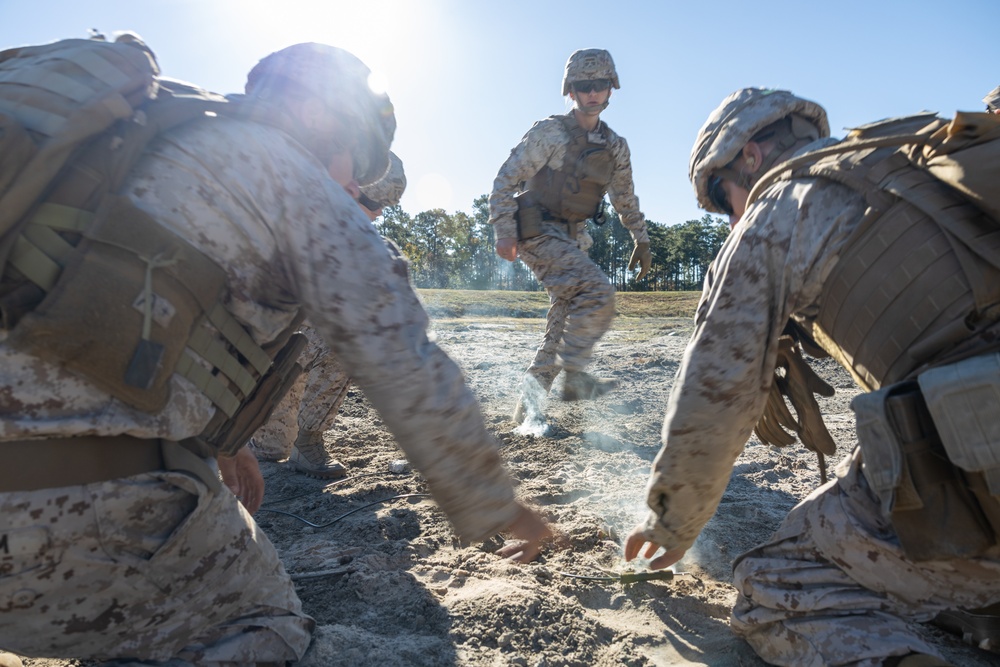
<point>582,386</point>
<point>534,389</point>
<point>978,627</point>
<point>309,456</point>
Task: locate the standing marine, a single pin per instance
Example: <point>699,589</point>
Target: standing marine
<point>553,182</point>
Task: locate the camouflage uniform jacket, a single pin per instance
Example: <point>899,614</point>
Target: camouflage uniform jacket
<point>288,237</point>
<point>771,267</point>
<point>545,144</point>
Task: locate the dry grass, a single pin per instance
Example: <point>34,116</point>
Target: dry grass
<point>443,303</point>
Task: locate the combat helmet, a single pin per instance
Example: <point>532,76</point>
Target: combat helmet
<point>736,121</point>
<point>388,190</point>
<point>340,80</point>
<point>587,65</point>
<point>992,100</point>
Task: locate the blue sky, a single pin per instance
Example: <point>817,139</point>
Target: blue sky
<point>469,77</point>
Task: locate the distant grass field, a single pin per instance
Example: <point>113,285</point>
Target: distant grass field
<point>447,303</point>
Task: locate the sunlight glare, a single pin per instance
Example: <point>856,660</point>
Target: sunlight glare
<point>433,191</point>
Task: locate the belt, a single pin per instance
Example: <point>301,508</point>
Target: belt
<point>30,465</point>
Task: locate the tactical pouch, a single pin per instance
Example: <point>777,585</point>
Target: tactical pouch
<point>528,216</point>
<point>926,498</point>
<point>125,305</point>
<point>964,400</point>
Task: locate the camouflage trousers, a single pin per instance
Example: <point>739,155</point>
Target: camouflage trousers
<point>310,407</point>
<point>833,586</point>
<point>581,304</point>
<point>150,569</point>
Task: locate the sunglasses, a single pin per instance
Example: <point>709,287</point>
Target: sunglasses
<point>600,85</point>
<point>717,195</point>
<point>370,203</point>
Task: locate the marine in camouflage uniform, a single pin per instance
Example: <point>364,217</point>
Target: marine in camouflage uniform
<point>309,409</point>
<point>581,298</point>
<point>161,565</point>
<point>835,584</point>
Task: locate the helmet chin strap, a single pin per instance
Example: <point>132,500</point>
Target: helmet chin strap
<point>591,111</point>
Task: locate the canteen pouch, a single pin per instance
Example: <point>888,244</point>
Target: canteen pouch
<point>528,216</point>
<point>964,400</point>
<point>926,498</point>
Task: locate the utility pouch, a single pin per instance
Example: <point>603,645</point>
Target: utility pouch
<point>925,497</point>
<point>964,400</point>
<point>257,409</point>
<point>528,216</point>
<point>124,306</point>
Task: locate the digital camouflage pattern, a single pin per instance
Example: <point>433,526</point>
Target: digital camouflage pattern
<point>581,302</point>
<point>832,555</point>
<point>734,122</point>
<point>587,65</point>
<point>389,189</point>
<point>153,567</point>
<point>771,268</point>
<point>310,407</point>
<point>262,207</point>
<point>546,144</point>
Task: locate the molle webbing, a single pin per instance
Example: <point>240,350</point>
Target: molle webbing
<point>897,283</point>
<point>574,191</point>
<point>63,95</point>
<point>81,227</point>
<point>919,272</point>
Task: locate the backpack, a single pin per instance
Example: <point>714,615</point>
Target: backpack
<point>54,100</point>
<point>75,117</point>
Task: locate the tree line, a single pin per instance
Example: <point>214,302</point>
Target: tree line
<point>455,250</point>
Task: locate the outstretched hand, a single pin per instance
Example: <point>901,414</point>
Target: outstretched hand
<point>634,543</point>
<point>242,475</point>
<point>531,531</point>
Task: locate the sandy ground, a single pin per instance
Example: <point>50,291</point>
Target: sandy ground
<point>389,585</point>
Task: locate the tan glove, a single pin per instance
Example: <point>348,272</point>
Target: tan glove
<point>798,382</point>
<point>642,257</point>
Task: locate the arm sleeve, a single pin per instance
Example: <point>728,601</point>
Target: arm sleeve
<point>770,267</point>
<point>358,297</point>
<point>621,192</point>
<point>535,150</point>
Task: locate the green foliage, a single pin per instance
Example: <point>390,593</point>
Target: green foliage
<point>455,251</point>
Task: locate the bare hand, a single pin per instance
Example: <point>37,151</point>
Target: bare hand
<point>634,543</point>
<point>242,475</point>
<point>507,249</point>
<point>531,530</point>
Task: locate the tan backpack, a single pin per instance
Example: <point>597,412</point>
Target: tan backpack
<point>75,116</point>
<point>54,100</point>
